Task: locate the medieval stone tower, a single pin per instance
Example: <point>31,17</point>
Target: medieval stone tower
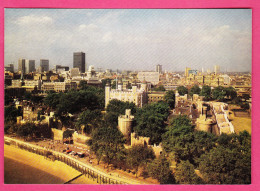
<point>107,94</point>
<point>125,124</point>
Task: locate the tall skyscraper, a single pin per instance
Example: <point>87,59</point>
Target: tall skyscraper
<point>79,61</point>
<point>21,65</point>
<point>187,71</point>
<point>29,66</point>
<point>216,69</point>
<point>159,68</point>
<point>44,64</point>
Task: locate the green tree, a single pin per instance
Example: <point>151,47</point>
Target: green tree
<point>75,101</point>
<point>231,92</point>
<point>185,174</point>
<point>170,98</point>
<point>225,166</point>
<point>219,93</point>
<point>184,143</point>
<point>159,88</point>
<point>106,143</point>
<point>10,127</point>
<point>11,113</point>
<point>182,90</point>
<point>195,90</point>
<point>139,155</point>
<point>90,119</point>
<point>206,92</point>
<point>26,130</point>
<point>52,100</point>
<point>120,106</point>
<point>105,81</point>
<point>83,84</point>
<point>111,119</point>
<point>7,98</point>
<point>160,170</point>
<point>116,108</point>
<point>150,121</point>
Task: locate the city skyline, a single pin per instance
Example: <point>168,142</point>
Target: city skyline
<point>129,39</point>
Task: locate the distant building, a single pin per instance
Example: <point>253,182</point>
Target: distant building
<point>135,95</point>
<point>45,65</point>
<point>74,72</point>
<point>138,95</point>
<point>159,68</point>
<point>155,96</point>
<point>29,66</point>
<point>152,77</point>
<point>21,65</point>
<point>187,72</point>
<point>79,61</point>
<point>216,69</point>
<point>9,68</point>
<point>58,86</point>
<point>59,68</point>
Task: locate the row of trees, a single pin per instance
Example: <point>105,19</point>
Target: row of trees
<point>218,93</point>
<point>87,102</point>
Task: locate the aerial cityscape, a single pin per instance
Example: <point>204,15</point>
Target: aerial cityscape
<point>127,96</point>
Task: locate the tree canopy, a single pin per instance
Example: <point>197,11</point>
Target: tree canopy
<point>27,129</point>
<point>119,107</point>
<point>138,155</point>
<point>159,88</point>
<point>226,166</point>
<point>185,174</point>
<point>195,90</point>
<point>182,90</point>
<point>90,119</point>
<point>150,121</point>
<point>106,143</point>
<point>219,93</point>
<point>11,113</point>
<point>231,92</point>
<point>206,92</point>
<point>115,108</point>
<point>76,101</point>
<point>184,142</point>
<point>170,98</point>
<point>160,170</point>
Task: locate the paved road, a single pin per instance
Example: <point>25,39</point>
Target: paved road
<point>127,180</point>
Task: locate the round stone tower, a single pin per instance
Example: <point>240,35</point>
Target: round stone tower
<point>125,124</point>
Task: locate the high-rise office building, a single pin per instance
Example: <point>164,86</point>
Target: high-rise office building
<point>21,65</point>
<point>159,68</point>
<point>216,69</point>
<point>187,71</point>
<point>29,66</point>
<point>44,64</point>
<point>79,61</point>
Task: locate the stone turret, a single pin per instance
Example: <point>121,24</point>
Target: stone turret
<point>125,124</point>
<point>144,85</point>
<point>107,94</point>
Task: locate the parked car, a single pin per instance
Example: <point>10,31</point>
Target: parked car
<point>81,155</point>
<point>68,151</point>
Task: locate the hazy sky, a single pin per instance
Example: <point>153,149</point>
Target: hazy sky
<point>132,39</point>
